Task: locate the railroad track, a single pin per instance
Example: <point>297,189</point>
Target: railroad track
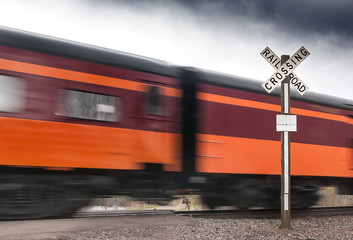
<point>219,214</point>
<point>121,213</point>
<point>267,213</point>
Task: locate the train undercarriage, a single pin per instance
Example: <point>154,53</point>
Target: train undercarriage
<point>259,191</point>
<point>46,194</point>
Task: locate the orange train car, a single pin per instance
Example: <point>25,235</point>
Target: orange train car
<point>79,121</point>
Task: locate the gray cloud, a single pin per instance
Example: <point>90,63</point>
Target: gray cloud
<point>301,17</point>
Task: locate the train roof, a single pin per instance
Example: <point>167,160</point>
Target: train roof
<point>84,52</point>
<point>251,85</point>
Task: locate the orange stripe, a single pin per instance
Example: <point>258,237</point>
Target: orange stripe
<point>222,154</point>
<point>57,145</point>
<point>79,76</point>
<point>268,106</point>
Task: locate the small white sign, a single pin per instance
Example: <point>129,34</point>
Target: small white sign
<point>286,123</point>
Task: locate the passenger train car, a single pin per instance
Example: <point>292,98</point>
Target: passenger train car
<point>78,121</point>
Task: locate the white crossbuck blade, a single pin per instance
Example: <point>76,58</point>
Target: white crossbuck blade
<point>285,70</point>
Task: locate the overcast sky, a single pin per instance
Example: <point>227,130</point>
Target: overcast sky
<point>221,35</point>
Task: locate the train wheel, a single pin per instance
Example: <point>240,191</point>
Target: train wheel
<point>247,193</point>
<point>212,202</point>
<point>304,193</point>
<point>23,200</point>
<point>28,198</point>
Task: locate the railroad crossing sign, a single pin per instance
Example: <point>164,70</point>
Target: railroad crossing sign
<point>285,70</point>
<point>285,122</point>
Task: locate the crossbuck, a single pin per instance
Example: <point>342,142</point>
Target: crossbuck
<point>285,70</point>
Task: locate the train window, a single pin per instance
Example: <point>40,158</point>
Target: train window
<point>12,94</point>
<point>86,105</point>
<point>154,101</point>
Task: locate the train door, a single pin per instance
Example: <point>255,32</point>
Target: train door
<point>158,123</point>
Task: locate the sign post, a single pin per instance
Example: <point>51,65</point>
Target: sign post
<point>285,153</point>
<point>285,123</point>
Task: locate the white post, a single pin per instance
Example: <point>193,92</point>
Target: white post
<point>285,158</point>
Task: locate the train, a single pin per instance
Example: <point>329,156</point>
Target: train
<point>79,121</point>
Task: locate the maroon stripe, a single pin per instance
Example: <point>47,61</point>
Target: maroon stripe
<point>229,92</point>
<point>81,66</point>
<point>236,121</point>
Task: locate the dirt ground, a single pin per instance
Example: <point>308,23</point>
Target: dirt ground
<point>176,227</point>
<point>69,228</point>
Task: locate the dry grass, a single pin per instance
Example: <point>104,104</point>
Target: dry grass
<point>329,197</point>
<point>116,201</point>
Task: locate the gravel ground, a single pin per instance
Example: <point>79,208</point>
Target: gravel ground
<point>174,227</point>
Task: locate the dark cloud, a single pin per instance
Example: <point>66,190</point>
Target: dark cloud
<point>309,16</point>
<point>312,16</point>
<point>305,17</point>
